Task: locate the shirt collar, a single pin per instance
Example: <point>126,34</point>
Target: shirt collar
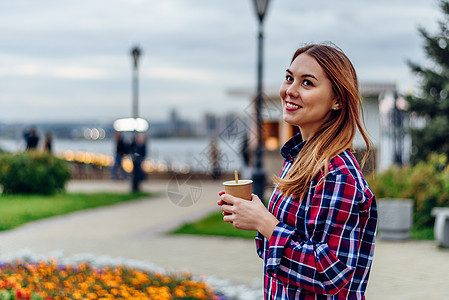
<point>292,147</point>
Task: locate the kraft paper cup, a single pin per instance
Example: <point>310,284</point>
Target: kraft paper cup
<point>242,189</point>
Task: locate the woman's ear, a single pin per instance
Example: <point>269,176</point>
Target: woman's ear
<point>336,105</point>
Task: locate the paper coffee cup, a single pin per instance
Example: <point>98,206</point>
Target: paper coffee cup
<point>242,189</point>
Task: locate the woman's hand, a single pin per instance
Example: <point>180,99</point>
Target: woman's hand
<point>247,214</point>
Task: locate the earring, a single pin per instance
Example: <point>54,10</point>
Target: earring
<point>335,108</point>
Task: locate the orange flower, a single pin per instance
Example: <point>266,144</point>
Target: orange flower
<point>85,282</point>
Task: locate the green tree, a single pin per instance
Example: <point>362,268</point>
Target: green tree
<point>432,101</point>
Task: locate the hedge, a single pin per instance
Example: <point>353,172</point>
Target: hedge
<point>427,183</point>
<point>32,172</point>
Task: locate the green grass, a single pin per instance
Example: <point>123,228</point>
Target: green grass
<point>16,210</point>
<point>214,225</point>
<point>422,233</point>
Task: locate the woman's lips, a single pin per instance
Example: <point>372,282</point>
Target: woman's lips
<point>290,106</point>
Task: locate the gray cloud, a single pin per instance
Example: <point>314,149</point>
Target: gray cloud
<point>70,59</point>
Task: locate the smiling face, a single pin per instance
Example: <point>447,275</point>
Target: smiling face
<point>307,96</point>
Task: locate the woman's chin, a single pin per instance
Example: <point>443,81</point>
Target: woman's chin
<point>288,118</point>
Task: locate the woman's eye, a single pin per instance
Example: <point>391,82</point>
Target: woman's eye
<point>288,78</point>
<point>307,82</point>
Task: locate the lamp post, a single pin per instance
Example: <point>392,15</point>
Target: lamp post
<point>135,53</point>
<point>398,132</point>
<point>258,172</point>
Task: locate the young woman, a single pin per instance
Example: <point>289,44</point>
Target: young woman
<point>317,236</point>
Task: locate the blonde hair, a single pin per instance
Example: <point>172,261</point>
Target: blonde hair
<point>337,133</point>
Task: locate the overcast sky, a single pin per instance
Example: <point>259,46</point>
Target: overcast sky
<point>70,60</point>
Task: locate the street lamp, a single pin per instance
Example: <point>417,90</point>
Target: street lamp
<point>258,172</point>
<point>398,116</point>
<point>135,53</point>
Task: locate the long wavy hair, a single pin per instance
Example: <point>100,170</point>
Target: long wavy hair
<point>337,133</point>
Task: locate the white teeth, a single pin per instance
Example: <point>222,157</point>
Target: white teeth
<point>291,105</point>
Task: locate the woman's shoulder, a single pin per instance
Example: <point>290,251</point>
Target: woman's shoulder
<point>346,165</point>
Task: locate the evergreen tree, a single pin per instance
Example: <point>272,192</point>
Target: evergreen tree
<point>432,102</point>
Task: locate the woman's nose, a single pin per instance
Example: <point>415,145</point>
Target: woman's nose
<point>292,91</point>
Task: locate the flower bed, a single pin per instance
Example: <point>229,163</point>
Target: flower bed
<point>222,289</point>
<point>49,280</point>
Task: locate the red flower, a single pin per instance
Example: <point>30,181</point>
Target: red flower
<point>20,295</point>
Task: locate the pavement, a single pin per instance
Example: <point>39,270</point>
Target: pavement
<point>137,230</point>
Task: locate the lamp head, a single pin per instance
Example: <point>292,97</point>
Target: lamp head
<point>261,8</point>
<point>135,52</point>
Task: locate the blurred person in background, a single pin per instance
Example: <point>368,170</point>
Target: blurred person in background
<point>139,152</point>
<point>121,149</point>
<point>31,139</point>
<point>215,159</point>
<point>48,142</point>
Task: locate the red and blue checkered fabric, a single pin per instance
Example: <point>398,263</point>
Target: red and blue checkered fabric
<point>323,246</point>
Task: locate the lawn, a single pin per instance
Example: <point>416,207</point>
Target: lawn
<point>16,210</point>
<point>422,233</point>
<point>214,225</point>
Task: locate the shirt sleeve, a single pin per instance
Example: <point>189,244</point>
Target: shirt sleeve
<point>260,241</point>
<point>324,259</point>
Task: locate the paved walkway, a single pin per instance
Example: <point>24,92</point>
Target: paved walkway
<point>135,230</point>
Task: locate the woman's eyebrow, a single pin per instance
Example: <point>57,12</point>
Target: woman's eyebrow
<point>303,75</point>
<point>309,75</point>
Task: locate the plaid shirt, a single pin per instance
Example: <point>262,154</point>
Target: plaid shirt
<point>323,246</point>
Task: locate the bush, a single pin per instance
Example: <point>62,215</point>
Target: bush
<point>427,183</point>
<point>32,173</point>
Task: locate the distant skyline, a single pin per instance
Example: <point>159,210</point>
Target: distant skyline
<point>70,60</point>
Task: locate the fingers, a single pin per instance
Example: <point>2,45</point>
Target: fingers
<point>223,204</point>
<point>227,209</point>
<point>227,206</point>
<point>229,199</point>
<point>228,218</point>
<point>220,202</point>
<point>226,199</point>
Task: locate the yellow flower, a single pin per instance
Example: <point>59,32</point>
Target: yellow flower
<point>180,291</point>
<point>76,295</point>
